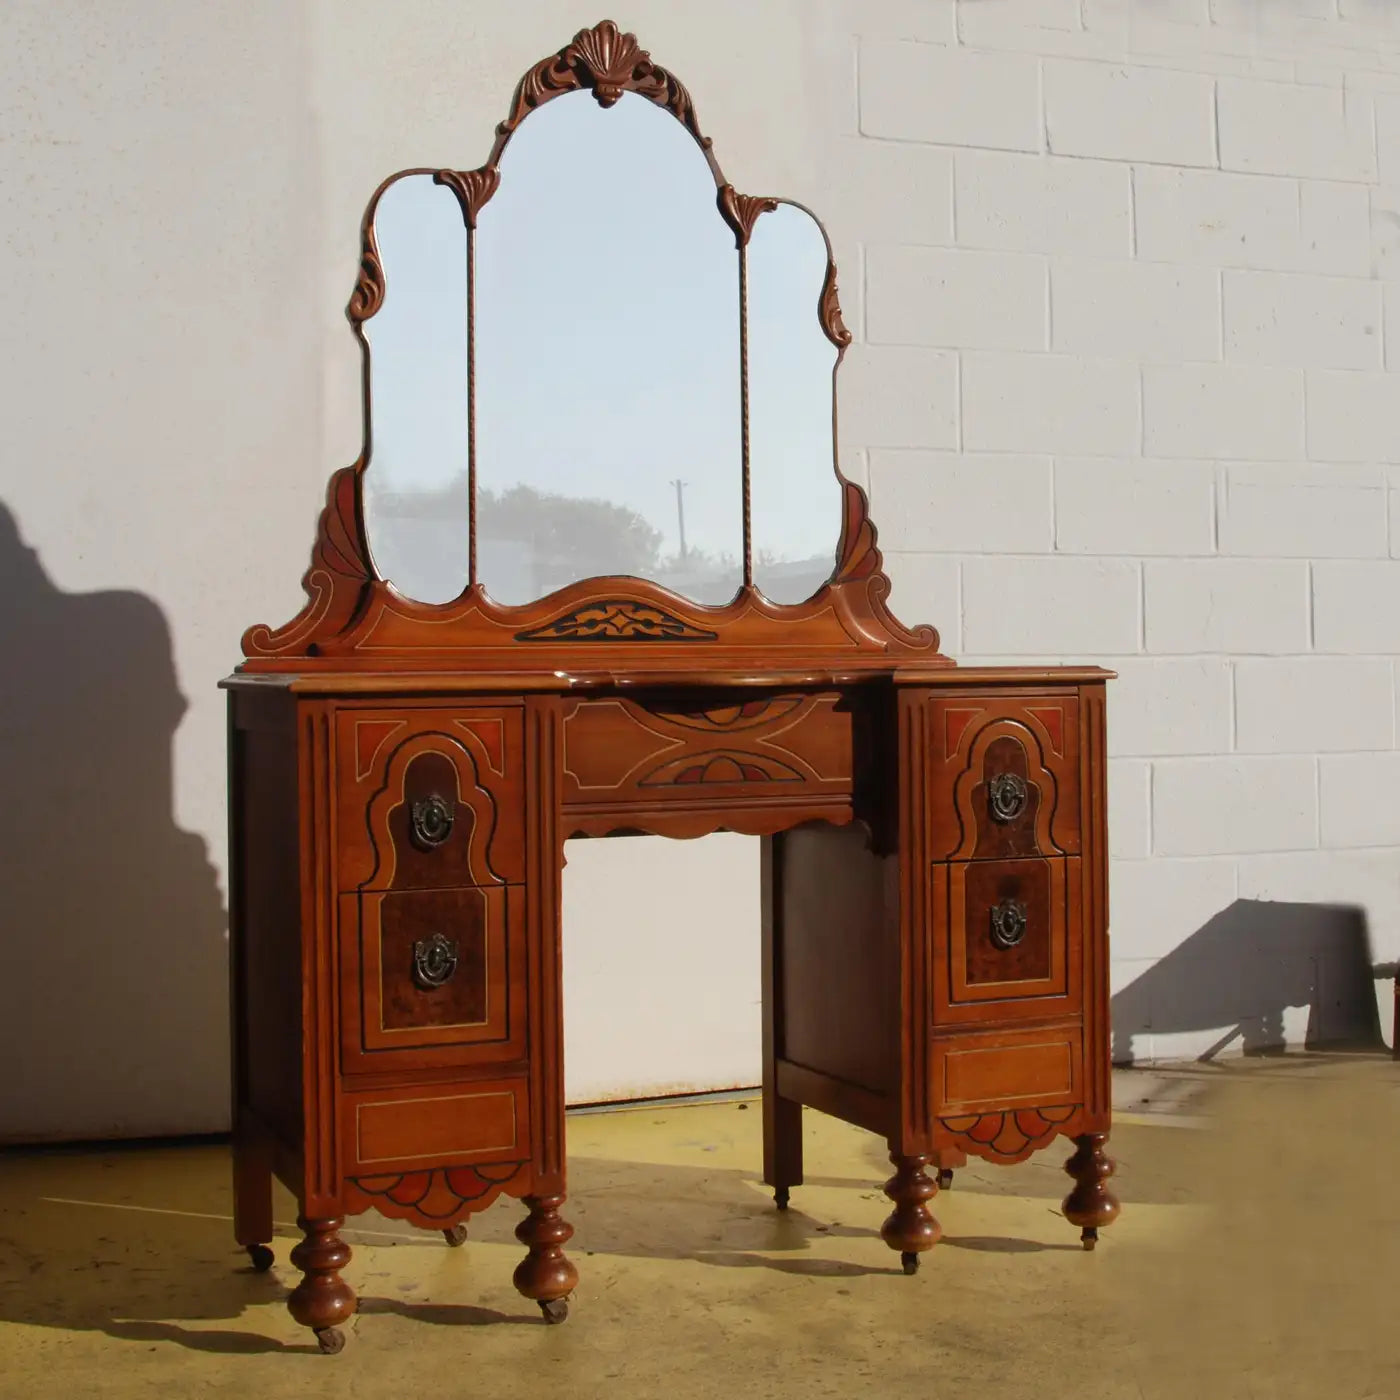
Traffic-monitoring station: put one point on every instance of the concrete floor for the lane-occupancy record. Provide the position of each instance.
(1260, 1230)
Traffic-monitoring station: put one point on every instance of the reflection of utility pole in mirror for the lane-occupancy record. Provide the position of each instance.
(680, 513)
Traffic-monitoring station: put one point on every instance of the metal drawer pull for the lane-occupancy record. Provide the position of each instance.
(432, 821)
(1008, 923)
(434, 961)
(1006, 796)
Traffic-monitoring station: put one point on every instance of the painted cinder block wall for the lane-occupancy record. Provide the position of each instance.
(1120, 277)
(1140, 271)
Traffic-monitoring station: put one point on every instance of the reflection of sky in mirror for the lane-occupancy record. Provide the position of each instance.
(794, 493)
(607, 367)
(418, 389)
(607, 323)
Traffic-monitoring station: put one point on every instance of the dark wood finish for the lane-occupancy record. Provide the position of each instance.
(402, 780)
(910, 1227)
(322, 1300)
(839, 966)
(545, 1274)
(976, 738)
(782, 1116)
(1091, 1204)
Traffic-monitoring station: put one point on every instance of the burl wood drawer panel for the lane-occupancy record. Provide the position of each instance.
(1004, 776)
(431, 978)
(1008, 940)
(976, 1074)
(428, 798)
(384, 1131)
(625, 753)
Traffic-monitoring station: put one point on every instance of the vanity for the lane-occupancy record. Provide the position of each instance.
(597, 572)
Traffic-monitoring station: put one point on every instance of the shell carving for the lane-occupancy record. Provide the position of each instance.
(613, 59)
(741, 211)
(610, 63)
(472, 188)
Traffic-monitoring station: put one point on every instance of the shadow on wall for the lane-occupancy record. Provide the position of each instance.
(113, 949)
(1266, 958)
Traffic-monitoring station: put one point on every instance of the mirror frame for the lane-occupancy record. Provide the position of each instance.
(355, 620)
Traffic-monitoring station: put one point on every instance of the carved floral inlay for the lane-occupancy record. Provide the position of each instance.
(1012, 1134)
(616, 620)
(436, 1196)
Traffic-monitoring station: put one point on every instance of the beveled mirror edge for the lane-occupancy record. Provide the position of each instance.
(353, 618)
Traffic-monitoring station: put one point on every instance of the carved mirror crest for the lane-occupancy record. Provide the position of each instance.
(599, 390)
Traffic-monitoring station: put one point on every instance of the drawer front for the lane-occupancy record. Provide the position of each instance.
(1006, 1094)
(1013, 946)
(385, 1131)
(432, 978)
(428, 798)
(1004, 776)
(621, 752)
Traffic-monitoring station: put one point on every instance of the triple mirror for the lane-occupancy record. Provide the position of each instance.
(588, 369)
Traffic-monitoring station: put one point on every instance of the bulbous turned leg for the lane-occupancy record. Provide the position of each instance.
(322, 1300)
(910, 1228)
(1091, 1204)
(545, 1273)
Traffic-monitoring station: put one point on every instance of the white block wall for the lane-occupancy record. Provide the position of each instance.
(1142, 256)
(1125, 281)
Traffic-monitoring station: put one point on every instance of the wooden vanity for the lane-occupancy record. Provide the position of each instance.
(404, 770)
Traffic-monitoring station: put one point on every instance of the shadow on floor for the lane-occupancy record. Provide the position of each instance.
(94, 1242)
(1237, 976)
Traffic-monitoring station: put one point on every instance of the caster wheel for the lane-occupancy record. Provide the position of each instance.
(780, 1197)
(330, 1340)
(945, 1178)
(910, 1261)
(555, 1310)
(456, 1237)
(1090, 1237)
(261, 1256)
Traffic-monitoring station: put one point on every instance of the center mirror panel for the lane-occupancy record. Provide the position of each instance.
(608, 393)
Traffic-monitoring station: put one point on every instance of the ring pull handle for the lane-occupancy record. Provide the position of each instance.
(1008, 923)
(434, 961)
(432, 819)
(1006, 797)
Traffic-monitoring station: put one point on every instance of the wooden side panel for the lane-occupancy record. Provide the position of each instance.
(265, 913)
(839, 961)
(1097, 1035)
(320, 1192)
(544, 755)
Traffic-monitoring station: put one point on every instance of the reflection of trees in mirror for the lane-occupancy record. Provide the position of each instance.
(540, 541)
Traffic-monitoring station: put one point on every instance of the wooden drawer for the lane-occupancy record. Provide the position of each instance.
(623, 753)
(428, 798)
(1014, 944)
(385, 1131)
(432, 978)
(1013, 1069)
(1004, 776)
